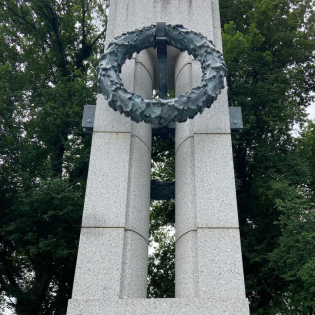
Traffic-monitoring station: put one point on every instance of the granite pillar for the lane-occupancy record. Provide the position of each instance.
(113, 252)
(208, 250)
(112, 261)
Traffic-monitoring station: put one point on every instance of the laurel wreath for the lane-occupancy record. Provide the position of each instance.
(161, 112)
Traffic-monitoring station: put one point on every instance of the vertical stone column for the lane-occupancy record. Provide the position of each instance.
(208, 251)
(112, 261)
(113, 252)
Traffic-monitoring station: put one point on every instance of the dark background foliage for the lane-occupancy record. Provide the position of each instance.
(48, 53)
(48, 50)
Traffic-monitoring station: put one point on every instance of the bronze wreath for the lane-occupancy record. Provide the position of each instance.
(161, 112)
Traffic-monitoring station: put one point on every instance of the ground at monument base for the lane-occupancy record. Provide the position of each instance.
(158, 306)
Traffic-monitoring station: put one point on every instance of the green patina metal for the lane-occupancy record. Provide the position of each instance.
(161, 112)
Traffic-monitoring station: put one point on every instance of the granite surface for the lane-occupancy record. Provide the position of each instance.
(98, 268)
(185, 194)
(139, 184)
(186, 266)
(220, 268)
(134, 266)
(214, 181)
(106, 192)
(112, 262)
(158, 307)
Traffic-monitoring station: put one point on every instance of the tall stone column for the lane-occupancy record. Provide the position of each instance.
(111, 267)
(113, 251)
(208, 250)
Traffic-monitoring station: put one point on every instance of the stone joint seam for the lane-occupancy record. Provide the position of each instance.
(202, 133)
(187, 63)
(123, 132)
(142, 142)
(115, 227)
(145, 69)
(130, 230)
(207, 228)
(183, 142)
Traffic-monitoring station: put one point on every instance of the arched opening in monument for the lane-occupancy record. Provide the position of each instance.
(161, 267)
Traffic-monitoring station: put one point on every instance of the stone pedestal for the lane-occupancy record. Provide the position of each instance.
(111, 272)
(158, 307)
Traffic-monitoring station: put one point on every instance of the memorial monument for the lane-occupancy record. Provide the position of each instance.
(112, 263)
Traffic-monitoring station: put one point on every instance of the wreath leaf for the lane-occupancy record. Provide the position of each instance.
(161, 112)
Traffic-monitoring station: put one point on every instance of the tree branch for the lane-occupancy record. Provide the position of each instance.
(99, 36)
(83, 24)
(33, 26)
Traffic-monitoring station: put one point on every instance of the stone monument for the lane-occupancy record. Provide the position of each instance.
(112, 263)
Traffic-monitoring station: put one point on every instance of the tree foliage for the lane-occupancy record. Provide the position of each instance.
(161, 275)
(48, 51)
(269, 50)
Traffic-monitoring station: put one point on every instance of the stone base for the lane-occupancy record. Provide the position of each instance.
(158, 306)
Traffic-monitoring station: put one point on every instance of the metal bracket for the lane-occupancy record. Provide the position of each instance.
(161, 46)
(236, 122)
(165, 131)
(162, 190)
(88, 118)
